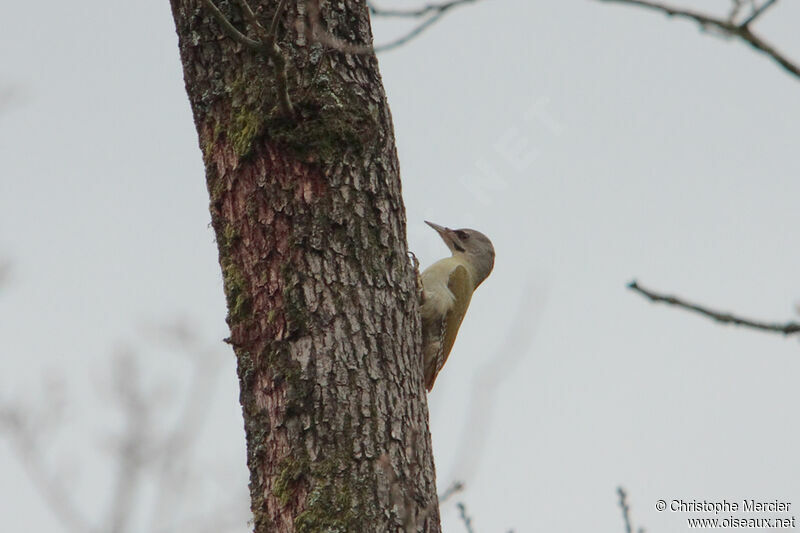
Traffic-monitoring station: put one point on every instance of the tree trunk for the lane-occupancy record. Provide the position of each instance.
(322, 302)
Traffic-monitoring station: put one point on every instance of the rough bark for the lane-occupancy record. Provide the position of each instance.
(322, 309)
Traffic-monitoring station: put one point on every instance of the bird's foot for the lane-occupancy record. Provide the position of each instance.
(418, 278)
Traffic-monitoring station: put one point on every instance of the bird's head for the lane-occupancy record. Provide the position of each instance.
(470, 244)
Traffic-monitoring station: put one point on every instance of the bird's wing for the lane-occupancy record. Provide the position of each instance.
(460, 284)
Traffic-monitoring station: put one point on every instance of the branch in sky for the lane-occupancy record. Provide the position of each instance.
(726, 26)
(431, 13)
(758, 12)
(418, 12)
(626, 511)
(788, 328)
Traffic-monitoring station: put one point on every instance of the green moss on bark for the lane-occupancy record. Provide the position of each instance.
(246, 125)
(332, 123)
(293, 470)
(239, 301)
(234, 282)
(331, 506)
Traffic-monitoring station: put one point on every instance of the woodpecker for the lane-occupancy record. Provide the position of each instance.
(447, 287)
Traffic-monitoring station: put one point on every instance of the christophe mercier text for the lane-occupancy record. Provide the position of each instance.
(725, 506)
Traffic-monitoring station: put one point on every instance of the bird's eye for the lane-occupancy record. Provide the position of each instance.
(463, 235)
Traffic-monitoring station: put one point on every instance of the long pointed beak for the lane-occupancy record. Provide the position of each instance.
(447, 235)
(440, 229)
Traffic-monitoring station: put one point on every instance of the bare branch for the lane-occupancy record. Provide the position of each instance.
(702, 19)
(736, 8)
(415, 32)
(758, 12)
(419, 12)
(269, 47)
(230, 29)
(273, 27)
(789, 328)
(284, 101)
(728, 27)
(450, 491)
(626, 510)
(434, 12)
(273, 51)
(462, 512)
(253, 19)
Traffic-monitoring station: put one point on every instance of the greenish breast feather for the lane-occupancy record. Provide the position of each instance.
(447, 286)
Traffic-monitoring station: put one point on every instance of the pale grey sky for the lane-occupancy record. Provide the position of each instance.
(593, 143)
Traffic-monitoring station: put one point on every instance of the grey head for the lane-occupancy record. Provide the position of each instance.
(472, 245)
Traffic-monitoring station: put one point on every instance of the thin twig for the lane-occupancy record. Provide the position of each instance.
(789, 328)
(253, 19)
(415, 32)
(416, 13)
(462, 512)
(284, 101)
(758, 12)
(273, 27)
(742, 31)
(626, 510)
(434, 12)
(274, 52)
(230, 29)
(736, 7)
(269, 47)
(450, 491)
